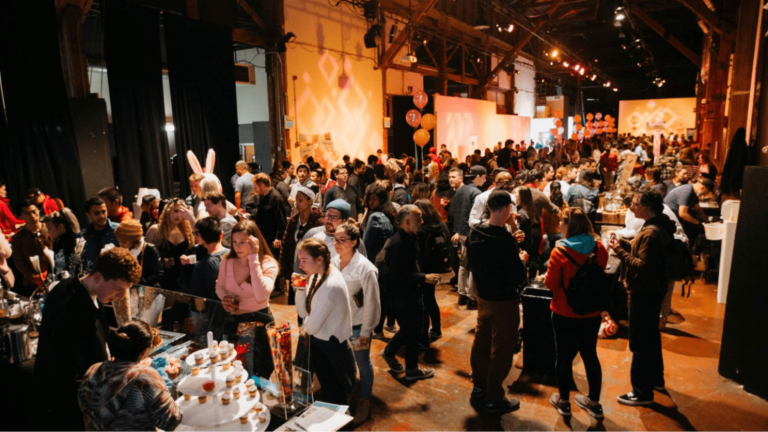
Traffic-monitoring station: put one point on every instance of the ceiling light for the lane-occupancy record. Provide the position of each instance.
(615, 89)
(551, 63)
(593, 77)
(554, 53)
(409, 58)
(620, 16)
(581, 71)
(637, 40)
(617, 23)
(639, 65)
(624, 46)
(510, 28)
(566, 64)
(481, 24)
(608, 84)
(169, 127)
(597, 61)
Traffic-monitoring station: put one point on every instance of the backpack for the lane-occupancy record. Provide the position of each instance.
(678, 261)
(436, 252)
(584, 204)
(589, 290)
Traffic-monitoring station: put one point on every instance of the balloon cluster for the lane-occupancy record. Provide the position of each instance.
(596, 125)
(558, 130)
(414, 118)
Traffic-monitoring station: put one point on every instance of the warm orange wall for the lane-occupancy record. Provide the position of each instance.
(678, 114)
(350, 109)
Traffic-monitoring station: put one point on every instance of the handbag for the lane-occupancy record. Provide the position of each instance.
(359, 298)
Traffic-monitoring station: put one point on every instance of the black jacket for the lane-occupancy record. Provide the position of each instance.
(151, 266)
(73, 337)
(495, 263)
(503, 159)
(434, 245)
(270, 216)
(400, 196)
(405, 275)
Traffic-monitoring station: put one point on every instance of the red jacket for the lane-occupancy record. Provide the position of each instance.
(559, 275)
(8, 221)
(122, 215)
(50, 205)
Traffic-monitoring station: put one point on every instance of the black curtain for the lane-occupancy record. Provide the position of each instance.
(41, 149)
(133, 55)
(202, 76)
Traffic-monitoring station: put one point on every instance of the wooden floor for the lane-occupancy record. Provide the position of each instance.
(697, 397)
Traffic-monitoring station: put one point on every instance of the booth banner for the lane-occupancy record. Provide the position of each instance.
(668, 116)
(465, 125)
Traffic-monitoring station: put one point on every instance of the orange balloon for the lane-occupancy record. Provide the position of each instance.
(553, 131)
(575, 136)
(579, 127)
(577, 118)
(421, 137)
(559, 113)
(599, 131)
(589, 125)
(590, 116)
(587, 133)
(428, 121)
(601, 123)
(559, 123)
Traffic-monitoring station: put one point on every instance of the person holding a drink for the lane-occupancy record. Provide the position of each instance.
(247, 276)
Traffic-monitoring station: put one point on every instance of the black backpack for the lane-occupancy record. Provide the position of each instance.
(380, 261)
(436, 252)
(678, 261)
(589, 290)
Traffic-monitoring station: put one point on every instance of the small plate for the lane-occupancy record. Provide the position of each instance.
(214, 413)
(193, 385)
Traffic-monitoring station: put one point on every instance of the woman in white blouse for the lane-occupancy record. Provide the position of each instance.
(360, 276)
(324, 307)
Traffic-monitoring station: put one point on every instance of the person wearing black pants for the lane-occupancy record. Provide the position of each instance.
(643, 261)
(575, 333)
(402, 281)
(334, 364)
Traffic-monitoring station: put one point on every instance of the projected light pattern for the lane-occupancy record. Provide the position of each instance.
(671, 116)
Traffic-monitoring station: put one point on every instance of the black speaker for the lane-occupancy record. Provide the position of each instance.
(744, 347)
(89, 116)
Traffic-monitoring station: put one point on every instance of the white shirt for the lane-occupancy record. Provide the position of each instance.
(478, 207)
(331, 314)
(361, 274)
(320, 234)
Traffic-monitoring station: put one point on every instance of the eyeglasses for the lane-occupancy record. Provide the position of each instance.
(332, 217)
(340, 240)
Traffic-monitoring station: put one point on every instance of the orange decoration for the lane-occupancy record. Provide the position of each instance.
(575, 136)
(577, 118)
(579, 127)
(590, 116)
(559, 123)
(421, 137)
(553, 131)
(559, 113)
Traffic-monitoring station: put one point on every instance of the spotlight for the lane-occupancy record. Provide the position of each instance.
(577, 67)
(481, 24)
(372, 37)
(581, 72)
(498, 27)
(615, 89)
(169, 127)
(392, 32)
(620, 16)
(554, 53)
(566, 64)
(593, 77)
(608, 84)
(510, 28)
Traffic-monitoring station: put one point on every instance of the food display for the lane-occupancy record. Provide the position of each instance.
(282, 357)
(209, 385)
(202, 399)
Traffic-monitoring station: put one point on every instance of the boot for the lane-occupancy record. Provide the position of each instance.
(362, 413)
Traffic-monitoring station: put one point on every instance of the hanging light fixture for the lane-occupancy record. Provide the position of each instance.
(481, 23)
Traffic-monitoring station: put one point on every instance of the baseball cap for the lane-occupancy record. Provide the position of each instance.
(33, 192)
(475, 171)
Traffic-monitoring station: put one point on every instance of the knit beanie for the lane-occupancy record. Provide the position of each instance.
(129, 231)
(340, 205)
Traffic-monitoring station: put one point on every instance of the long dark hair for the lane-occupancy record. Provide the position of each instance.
(428, 211)
(556, 193)
(526, 202)
(316, 249)
(385, 205)
(251, 229)
(577, 223)
(421, 191)
(130, 340)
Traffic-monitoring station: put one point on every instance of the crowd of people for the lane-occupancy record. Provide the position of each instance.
(359, 248)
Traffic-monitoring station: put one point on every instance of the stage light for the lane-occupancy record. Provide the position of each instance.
(576, 68)
(372, 37)
(409, 58)
(566, 64)
(510, 28)
(169, 127)
(615, 89)
(554, 53)
(581, 71)
(608, 84)
(620, 16)
(392, 32)
(637, 40)
(593, 77)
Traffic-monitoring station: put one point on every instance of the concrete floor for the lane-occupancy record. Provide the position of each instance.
(697, 397)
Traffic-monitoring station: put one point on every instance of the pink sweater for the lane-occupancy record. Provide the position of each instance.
(254, 296)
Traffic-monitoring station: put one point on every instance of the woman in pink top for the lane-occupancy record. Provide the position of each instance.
(246, 278)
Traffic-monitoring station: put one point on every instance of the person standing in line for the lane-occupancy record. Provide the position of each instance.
(574, 333)
(306, 218)
(402, 284)
(73, 335)
(194, 200)
(643, 263)
(205, 272)
(462, 206)
(498, 269)
(215, 205)
(303, 173)
(270, 214)
(361, 277)
(324, 307)
(31, 240)
(99, 233)
(113, 199)
(243, 185)
(343, 190)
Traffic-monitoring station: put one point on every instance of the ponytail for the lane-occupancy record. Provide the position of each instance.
(130, 341)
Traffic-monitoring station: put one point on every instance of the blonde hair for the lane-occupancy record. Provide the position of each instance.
(164, 225)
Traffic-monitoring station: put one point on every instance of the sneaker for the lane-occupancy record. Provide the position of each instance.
(435, 335)
(391, 329)
(379, 336)
(562, 406)
(593, 408)
(472, 305)
(392, 362)
(503, 406)
(463, 300)
(631, 399)
(419, 374)
(478, 393)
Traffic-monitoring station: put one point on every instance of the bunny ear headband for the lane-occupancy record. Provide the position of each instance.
(210, 160)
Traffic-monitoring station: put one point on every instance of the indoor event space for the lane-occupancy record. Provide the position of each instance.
(383, 215)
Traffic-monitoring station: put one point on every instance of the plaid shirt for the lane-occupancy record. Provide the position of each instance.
(667, 166)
